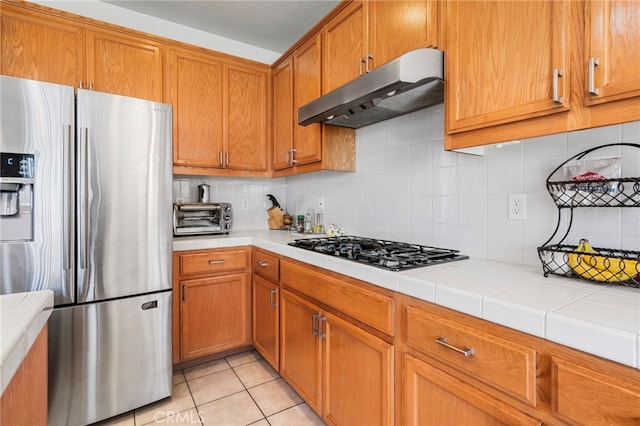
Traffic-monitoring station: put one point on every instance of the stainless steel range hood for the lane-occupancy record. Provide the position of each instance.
(409, 83)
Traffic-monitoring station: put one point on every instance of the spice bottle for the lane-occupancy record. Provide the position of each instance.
(308, 226)
(300, 223)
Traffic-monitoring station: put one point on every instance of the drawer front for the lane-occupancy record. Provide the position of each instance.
(575, 388)
(502, 364)
(368, 306)
(266, 264)
(213, 261)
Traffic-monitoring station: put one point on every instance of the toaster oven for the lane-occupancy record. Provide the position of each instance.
(202, 218)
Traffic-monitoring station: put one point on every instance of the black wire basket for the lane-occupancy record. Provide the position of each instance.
(622, 192)
(601, 265)
(607, 266)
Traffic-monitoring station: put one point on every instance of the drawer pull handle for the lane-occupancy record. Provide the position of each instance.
(262, 263)
(216, 262)
(466, 351)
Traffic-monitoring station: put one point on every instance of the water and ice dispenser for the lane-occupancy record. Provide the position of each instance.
(16, 197)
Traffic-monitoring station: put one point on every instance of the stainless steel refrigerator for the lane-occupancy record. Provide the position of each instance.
(85, 210)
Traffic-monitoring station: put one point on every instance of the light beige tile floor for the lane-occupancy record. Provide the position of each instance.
(240, 390)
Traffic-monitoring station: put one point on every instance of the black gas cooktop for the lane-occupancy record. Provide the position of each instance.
(390, 255)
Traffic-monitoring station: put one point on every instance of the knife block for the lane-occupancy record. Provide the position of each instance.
(275, 220)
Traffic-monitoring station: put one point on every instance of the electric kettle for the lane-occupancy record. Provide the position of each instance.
(203, 193)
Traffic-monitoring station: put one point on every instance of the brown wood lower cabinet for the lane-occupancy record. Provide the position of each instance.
(359, 354)
(211, 302)
(266, 319)
(24, 401)
(433, 397)
(343, 372)
(358, 375)
(509, 378)
(576, 386)
(265, 305)
(214, 314)
(300, 348)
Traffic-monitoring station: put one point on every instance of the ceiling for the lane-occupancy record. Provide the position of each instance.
(271, 25)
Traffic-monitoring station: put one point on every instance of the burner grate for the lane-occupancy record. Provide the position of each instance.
(390, 255)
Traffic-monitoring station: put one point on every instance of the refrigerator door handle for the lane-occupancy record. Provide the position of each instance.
(67, 198)
(83, 220)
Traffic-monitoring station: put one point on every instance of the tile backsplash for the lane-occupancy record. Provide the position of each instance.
(407, 188)
(240, 192)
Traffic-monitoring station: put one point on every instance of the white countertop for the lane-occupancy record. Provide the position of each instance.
(603, 320)
(22, 317)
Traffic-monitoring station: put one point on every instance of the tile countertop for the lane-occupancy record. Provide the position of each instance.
(603, 320)
(22, 317)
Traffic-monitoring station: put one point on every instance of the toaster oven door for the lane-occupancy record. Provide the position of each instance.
(196, 219)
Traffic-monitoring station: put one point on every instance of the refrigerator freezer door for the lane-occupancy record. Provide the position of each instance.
(109, 357)
(124, 196)
(38, 118)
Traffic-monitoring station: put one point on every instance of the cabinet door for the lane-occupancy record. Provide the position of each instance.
(307, 87)
(124, 65)
(40, 47)
(196, 96)
(215, 315)
(432, 397)
(283, 115)
(396, 27)
(344, 47)
(612, 34)
(246, 118)
(501, 59)
(575, 387)
(300, 359)
(266, 335)
(358, 375)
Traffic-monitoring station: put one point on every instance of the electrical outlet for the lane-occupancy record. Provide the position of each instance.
(245, 204)
(321, 205)
(517, 206)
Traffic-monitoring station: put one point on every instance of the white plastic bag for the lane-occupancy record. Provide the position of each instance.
(585, 173)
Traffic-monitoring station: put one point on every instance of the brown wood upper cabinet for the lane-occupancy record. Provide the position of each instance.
(220, 114)
(611, 34)
(123, 65)
(530, 68)
(48, 47)
(296, 82)
(295, 148)
(196, 95)
(41, 47)
(367, 34)
(505, 61)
